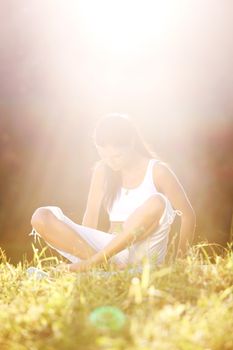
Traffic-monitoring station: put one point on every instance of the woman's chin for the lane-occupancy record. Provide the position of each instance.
(115, 168)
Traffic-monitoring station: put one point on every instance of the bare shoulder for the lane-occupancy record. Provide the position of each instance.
(162, 173)
(168, 183)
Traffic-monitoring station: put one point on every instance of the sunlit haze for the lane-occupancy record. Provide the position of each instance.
(168, 64)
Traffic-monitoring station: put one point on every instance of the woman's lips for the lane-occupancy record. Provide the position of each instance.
(115, 167)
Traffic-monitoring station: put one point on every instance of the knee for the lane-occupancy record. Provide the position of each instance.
(41, 217)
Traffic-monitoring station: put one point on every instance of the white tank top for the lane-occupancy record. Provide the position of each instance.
(130, 199)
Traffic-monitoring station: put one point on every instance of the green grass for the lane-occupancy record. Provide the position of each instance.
(187, 305)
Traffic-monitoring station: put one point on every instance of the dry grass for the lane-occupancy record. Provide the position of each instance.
(187, 305)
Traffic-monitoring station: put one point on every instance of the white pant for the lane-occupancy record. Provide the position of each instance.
(153, 247)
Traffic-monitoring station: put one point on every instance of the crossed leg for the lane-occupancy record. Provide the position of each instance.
(60, 234)
(63, 236)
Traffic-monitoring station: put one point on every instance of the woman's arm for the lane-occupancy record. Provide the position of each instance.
(169, 184)
(187, 229)
(142, 221)
(95, 196)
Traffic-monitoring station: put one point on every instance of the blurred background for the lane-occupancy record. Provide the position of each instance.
(63, 64)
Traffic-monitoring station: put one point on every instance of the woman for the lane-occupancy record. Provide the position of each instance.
(138, 191)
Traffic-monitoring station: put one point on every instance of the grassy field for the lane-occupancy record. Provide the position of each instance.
(187, 305)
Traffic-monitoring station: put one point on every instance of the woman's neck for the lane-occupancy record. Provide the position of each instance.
(135, 164)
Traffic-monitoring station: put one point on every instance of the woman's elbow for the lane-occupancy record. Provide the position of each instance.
(189, 214)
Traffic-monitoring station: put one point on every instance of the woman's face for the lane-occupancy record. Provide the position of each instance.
(115, 157)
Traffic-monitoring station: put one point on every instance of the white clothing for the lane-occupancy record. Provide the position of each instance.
(154, 246)
(130, 199)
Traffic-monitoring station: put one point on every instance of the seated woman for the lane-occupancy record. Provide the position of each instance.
(140, 193)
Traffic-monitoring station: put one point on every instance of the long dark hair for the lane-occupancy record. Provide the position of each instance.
(118, 130)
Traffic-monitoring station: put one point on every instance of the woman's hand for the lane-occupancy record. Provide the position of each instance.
(75, 267)
(82, 266)
(62, 268)
(119, 266)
